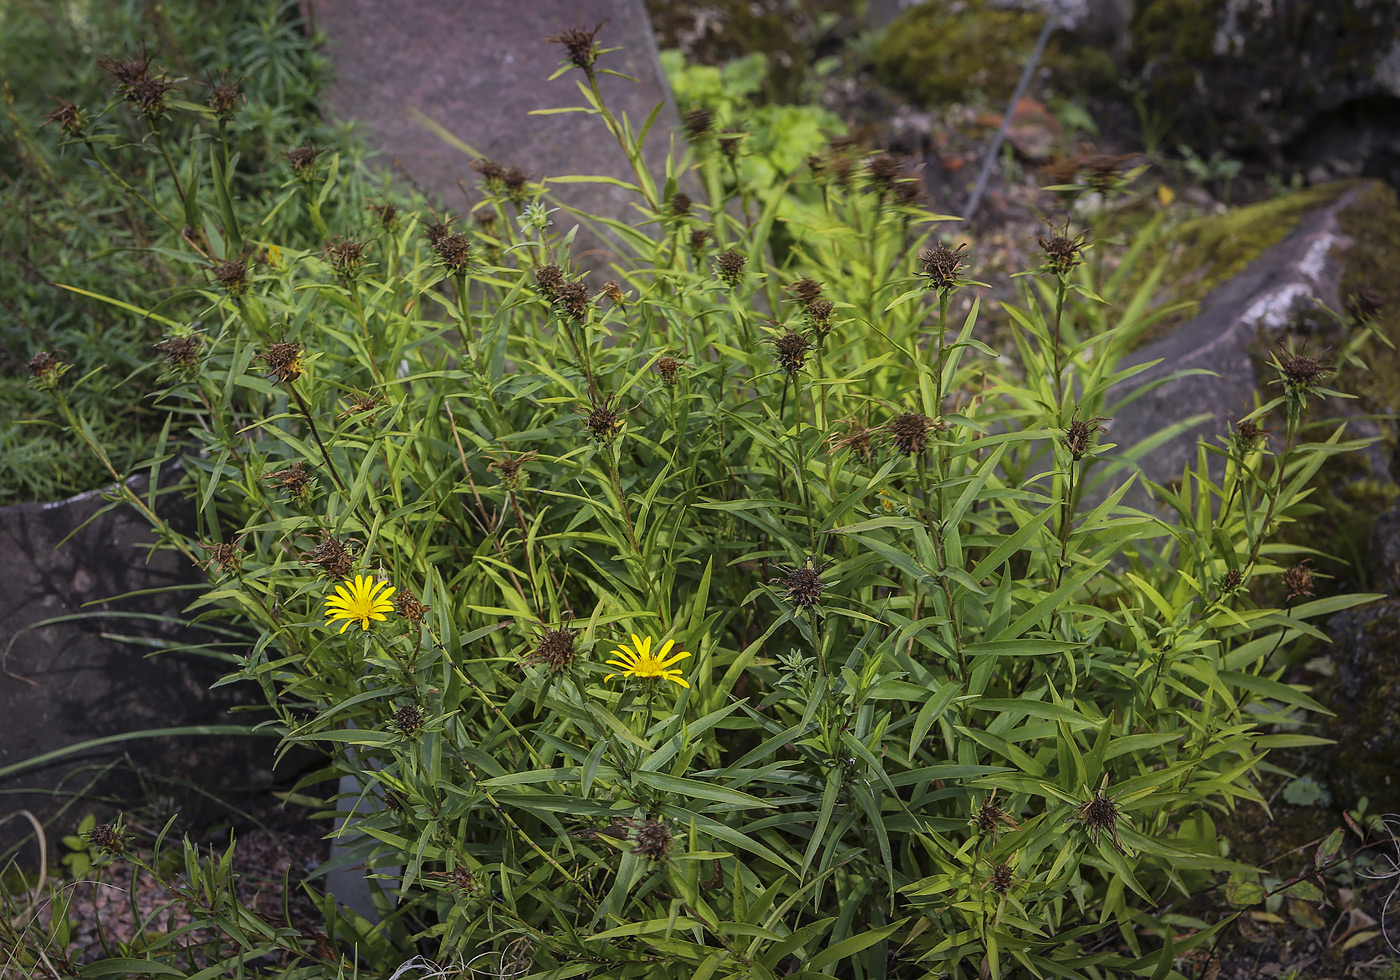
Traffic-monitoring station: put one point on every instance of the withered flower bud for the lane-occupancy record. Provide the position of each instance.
(1362, 306)
(332, 556)
(361, 403)
(653, 840)
(680, 204)
(408, 720)
(579, 46)
(699, 237)
(731, 145)
(806, 291)
(556, 649)
(549, 279)
(669, 368)
(802, 586)
(107, 838)
(698, 123)
(346, 257)
(69, 117)
(228, 556)
(907, 191)
(436, 231)
(295, 481)
(1297, 582)
(224, 98)
(1100, 816)
(991, 819)
(129, 72)
(410, 607)
(1105, 170)
(603, 420)
(942, 266)
(511, 469)
(181, 350)
(731, 267)
(455, 252)
(790, 349)
(884, 171)
(388, 216)
(613, 291)
(486, 221)
(1231, 581)
(1301, 370)
(303, 161)
(572, 298)
(393, 802)
(858, 438)
(1062, 252)
(1080, 434)
(1001, 879)
(819, 316)
(909, 432)
(231, 274)
(513, 184)
(46, 369)
(284, 360)
(842, 168)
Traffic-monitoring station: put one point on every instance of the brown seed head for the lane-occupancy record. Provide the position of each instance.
(45, 369)
(579, 45)
(455, 251)
(1100, 816)
(511, 469)
(731, 145)
(388, 215)
(603, 421)
(1301, 370)
(303, 160)
(410, 607)
(182, 350)
(884, 171)
(224, 98)
(1362, 306)
(573, 298)
(1001, 879)
(486, 221)
(513, 183)
(699, 122)
(408, 720)
(1231, 581)
(129, 72)
(556, 649)
(802, 586)
(1080, 434)
(296, 481)
(284, 361)
(790, 348)
(1297, 582)
(360, 404)
(226, 555)
(858, 438)
(491, 171)
(346, 257)
(613, 291)
(943, 266)
(436, 231)
(231, 274)
(731, 267)
(69, 117)
(549, 279)
(681, 204)
(653, 840)
(393, 802)
(332, 556)
(148, 95)
(819, 316)
(909, 432)
(669, 368)
(107, 838)
(1062, 252)
(806, 292)
(990, 819)
(699, 237)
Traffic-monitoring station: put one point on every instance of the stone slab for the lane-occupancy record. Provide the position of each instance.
(478, 68)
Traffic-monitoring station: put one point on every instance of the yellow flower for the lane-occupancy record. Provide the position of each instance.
(638, 661)
(359, 600)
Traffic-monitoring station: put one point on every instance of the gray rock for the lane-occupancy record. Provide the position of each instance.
(1366, 727)
(75, 680)
(478, 69)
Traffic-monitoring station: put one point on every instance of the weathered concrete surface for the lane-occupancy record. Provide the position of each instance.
(1273, 293)
(74, 681)
(478, 69)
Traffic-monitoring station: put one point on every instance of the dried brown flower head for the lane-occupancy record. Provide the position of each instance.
(225, 554)
(511, 469)
(45, 369)
(790, 348)
(1100, 815)
(858, 438)
(127, 73)
(842, 169)
(513, 182)
(699, 237)
(573, 299)
(284, 361)
(909, 432)
(1297, 582)
(224, 98)
(731, 267)
(669, 368)
(943, 266)
(681, 204)
(408, 720)
(819, 316)
(231, 274)
(549, 279)
(346, 256)
(886, 173)
(486, 221)
(410, 607)
(603, 420)
(107, 838)
(1300, 370)
(332, 556)
(579, 45)
(148, 95)
(455, 251)
(393, 802)
(613, 291)
(1231, 581)
(69, 117)
(653, 840)
(991, 819)
(806, 292)
(1062, 252)
(802, 586)
(295, 480)
(699, 122)
(731, 145)
(1104, 170)
(1001, 879)
(303, 160)
(360, 403)
(557, 649)
(436, 231)
(491, 171)
(388, 215)
(1080, 434)
(182, 350)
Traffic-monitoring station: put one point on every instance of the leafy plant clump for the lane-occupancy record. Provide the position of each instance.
(729, 617)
